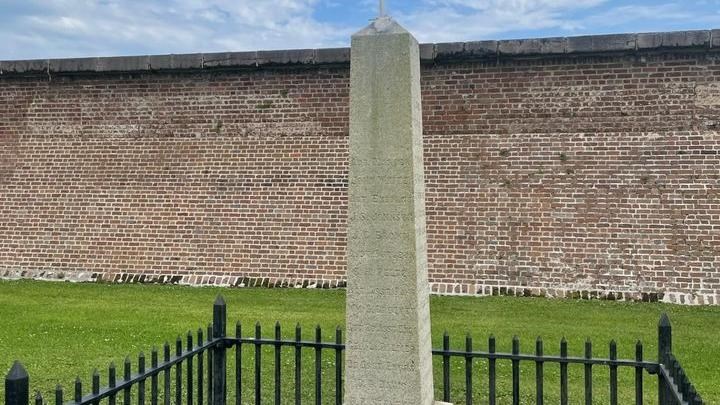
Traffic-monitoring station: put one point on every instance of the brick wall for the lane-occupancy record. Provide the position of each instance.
(590, 174)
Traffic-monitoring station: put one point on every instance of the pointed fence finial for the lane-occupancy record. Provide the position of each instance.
(664, 337)
(17, 372)
(664, 320)
(17, 385)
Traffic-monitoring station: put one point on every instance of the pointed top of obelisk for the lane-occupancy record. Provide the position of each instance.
(383, 24)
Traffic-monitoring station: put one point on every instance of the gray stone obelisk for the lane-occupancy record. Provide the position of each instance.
(389, 359)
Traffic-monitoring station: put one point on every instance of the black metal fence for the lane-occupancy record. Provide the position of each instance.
(205, 365)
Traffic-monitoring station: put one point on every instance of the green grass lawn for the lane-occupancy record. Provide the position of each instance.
(62, 330)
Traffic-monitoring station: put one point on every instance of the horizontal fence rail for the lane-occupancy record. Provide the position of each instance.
(200, 371)
(540, 360)
(153, 373)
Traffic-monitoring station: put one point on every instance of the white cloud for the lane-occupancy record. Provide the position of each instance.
(518, 5)
(628, 14)
(71, 28)
(456, 20)
(464, 20)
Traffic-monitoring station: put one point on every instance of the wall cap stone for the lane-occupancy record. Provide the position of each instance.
(707, 40)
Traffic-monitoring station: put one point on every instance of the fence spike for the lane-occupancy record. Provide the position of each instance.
(167, 394)
(141, 383)
(515, 371)
(613, 373)
(338, 367)
(59, 395)
(491, 371)
(17, 385)
(78, 389)
(664, 352)
(539, 372)
(126, 376)
(278, 336)
(638, 374)
(154, 377)
(468, 369)
(219, 356)
(95, 382)
(200, 371)
(189, 361)
(563, 372)
(664, 319)
(178, 371)
(539, 346)
(318, 366)
(112, 376)
(238, 364)
(298, 364)
(664, 337)
(588, 373)
(258, 363)
(446, 367)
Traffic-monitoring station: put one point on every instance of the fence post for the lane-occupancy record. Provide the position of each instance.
(219, 332)
(664, 348)
(17, 385)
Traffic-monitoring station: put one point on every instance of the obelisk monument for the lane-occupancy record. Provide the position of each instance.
(388, 357)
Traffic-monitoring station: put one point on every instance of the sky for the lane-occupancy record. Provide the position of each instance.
(39, 29)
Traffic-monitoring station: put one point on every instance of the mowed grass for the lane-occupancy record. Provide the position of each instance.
(62, 330)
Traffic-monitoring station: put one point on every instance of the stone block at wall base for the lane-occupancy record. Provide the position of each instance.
(436, 288)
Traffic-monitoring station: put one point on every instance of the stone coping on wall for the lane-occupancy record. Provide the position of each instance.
(708, 40)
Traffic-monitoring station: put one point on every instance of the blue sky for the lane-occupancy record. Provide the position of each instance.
(73, 28)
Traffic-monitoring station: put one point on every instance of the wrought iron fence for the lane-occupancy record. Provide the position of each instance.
(209, 385)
